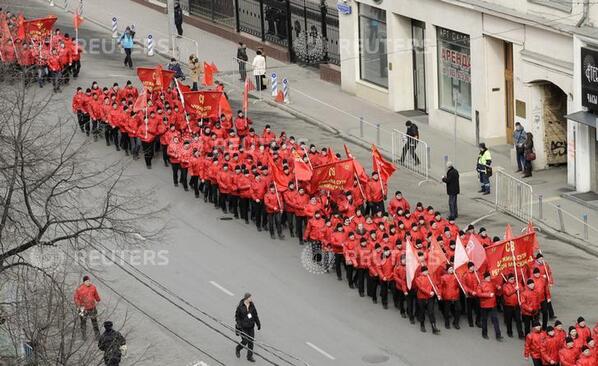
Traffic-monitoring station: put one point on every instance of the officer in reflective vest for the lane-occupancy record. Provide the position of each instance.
(484, 169)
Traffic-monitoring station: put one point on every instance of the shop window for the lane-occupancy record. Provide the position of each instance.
(454, 72)
(372, 46)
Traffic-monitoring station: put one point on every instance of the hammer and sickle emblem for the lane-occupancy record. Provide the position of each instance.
(201, 98)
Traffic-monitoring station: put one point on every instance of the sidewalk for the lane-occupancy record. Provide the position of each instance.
(325, 105)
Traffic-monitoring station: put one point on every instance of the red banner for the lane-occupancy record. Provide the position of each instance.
(333, 177)
(499, 257)
(39, 28)
(385, 168)
(155, 79)
(204, 104)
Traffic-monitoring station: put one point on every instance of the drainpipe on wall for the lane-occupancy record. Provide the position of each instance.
(584, 16)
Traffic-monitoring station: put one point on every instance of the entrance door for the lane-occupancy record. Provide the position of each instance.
(419, 65)
(509, 95)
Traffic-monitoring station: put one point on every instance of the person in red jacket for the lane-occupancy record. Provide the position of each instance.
(55, 69)
(530, 305)
(533, 344)
(541, 287)
(450, 292)
(470, 283)
(350, 256)
(78, 107)
(242, 124)
(586, 358)
(401, 291)
(337, 242)
(568, 354)
(486, 292)
(224, 180)
(425, 300)
(551, 345)
(258, 191)
(511, 308)
(290, 207)
(145, 134)
(86, 298)
(364, 257)
(373, 276)
(385, 275)
(374, 194)
(300, 202)
(244, 188)
(274, 210)
(582, 329)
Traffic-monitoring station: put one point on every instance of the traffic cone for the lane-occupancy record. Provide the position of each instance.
(280, 97)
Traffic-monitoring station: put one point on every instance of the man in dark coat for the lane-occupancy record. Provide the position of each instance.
(242, 59)
(246, 319)
(178, 18)
(111, 343)
(452, 189)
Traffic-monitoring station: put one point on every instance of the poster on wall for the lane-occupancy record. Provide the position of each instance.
(454, 72)
(589, 78)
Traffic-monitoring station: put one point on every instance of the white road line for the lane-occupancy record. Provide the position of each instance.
(326, 354)
(222, 288)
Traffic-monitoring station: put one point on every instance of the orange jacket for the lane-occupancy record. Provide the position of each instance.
(86, 297)
(533, 345)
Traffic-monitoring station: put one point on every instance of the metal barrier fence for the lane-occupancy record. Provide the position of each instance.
(554, 215)
(513, 195)
(183, 47)
(411, 153)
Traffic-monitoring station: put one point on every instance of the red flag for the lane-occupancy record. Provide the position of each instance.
(225, 108)
(331, 156)
(204, 104)
(436, 258)
(475, 252)
(21, 27)
(499, 256)
(461, 257)
(384, 168)
(302, 169)
(508, 232)
(214, 68)
(155, 79)
(39, 28)
(141, 102)
(184, 88)
(359, 171)
(247, 88)
(333, 177)
(411, 263)
(278, 177)
(77, 20)
(208, 74)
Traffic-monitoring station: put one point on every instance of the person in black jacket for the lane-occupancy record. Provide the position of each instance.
(178, 18)
(246, 319)
(111, 343)
(452, 189)
(242, 59)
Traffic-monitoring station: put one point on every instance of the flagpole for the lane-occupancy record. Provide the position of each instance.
(434, 287)
(308, 159)
(176, 82)
(277, 197)
(380, 177)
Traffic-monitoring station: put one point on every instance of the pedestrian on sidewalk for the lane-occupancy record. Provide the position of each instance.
(113, 344)
(451, 179)
(86, 298)
(176, 67)
(529, 153)
(178, 19)
(242, 59)
(519, 136)
(259, 70)
(126, 42)
(483, 168)
(196, 69)
(246, 319)
(411, 143)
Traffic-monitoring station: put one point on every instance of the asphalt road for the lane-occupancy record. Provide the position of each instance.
(314, 318)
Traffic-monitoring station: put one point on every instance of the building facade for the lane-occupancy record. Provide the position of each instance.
(478, 67)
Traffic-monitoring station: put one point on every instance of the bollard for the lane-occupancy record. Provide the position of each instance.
(540, 207)
(285, 90)
(360, 126)
(150, 45)
(274, 80)
(429, 162)
(585, 226)
(114, 28)
(561, 221)
(378, 134)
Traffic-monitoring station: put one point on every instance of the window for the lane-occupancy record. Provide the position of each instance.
(563, 5)
(372, 50)
(454, 72)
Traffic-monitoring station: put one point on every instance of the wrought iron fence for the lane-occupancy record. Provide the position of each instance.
(218, 11)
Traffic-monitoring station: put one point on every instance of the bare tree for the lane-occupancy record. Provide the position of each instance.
(55, 196)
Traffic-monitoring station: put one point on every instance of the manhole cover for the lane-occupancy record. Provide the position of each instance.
(375, 358)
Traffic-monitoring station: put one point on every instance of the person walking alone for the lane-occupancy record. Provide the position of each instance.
(483, 168)
(86, 298)
(113, 344)
(246, 319)
(178, 19)
(259, 70)
(451, 179)
(242, 60)
(519, 136)
(126, 42)
(196, 69)
(530, 155)
(411, 143)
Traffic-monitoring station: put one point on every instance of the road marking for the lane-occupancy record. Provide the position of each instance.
(222, 288)
(326, 354)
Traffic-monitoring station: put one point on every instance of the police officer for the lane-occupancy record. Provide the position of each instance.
(483, 168)
(246, 319)
(113, 344)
